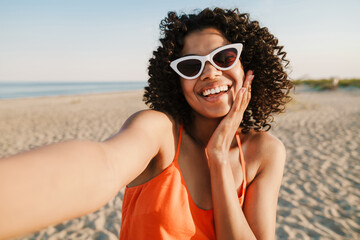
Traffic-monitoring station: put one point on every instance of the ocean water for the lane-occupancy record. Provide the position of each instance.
(40, 89)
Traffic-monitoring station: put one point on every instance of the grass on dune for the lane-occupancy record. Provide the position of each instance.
(324, 84)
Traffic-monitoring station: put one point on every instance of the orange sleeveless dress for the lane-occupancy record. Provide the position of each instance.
(162, 208)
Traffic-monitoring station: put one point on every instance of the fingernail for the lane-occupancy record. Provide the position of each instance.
(243, 90)
(251, 78)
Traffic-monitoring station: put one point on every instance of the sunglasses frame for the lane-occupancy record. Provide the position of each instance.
(209, 58)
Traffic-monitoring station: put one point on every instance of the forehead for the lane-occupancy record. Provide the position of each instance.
(203, 42)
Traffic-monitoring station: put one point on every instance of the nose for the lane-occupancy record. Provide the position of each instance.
(210, 72)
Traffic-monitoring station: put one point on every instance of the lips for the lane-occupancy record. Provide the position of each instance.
(215, 90)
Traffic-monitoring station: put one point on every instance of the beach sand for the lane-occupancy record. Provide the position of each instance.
(320, 194)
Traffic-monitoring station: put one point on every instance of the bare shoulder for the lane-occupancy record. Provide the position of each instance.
(147, 138)
(266, 143)
(146, 129)
(149, 119)
(155, 126)
(150, 136)
(267, 150)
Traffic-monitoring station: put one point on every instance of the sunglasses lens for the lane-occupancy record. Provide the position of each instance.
(189, 67)
(225, 58)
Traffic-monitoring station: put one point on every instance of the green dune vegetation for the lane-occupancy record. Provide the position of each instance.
(327, 84)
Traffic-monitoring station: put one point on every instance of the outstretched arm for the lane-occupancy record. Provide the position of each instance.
(70, 179)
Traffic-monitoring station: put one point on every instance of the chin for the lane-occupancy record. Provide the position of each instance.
(220, 113)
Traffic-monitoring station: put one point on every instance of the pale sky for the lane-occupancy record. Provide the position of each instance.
(108, 40)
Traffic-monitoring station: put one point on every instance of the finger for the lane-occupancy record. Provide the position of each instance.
(228, 126)
(236, 106)
(241, 100)
(231, 122)
(249, 82)
(248, 79)
(248, 74)
(251, 78)
(242, 95)
(226, 130)
(247, 85)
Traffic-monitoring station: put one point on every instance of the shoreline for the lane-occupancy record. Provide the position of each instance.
(72, 95)
(13, 90)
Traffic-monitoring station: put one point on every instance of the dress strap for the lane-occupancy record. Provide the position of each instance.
(178, 143)
(242, 162)
(241, 154)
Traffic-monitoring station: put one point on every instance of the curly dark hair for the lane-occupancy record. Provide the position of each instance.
(261, 53)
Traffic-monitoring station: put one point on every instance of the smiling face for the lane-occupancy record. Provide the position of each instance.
(212, 93)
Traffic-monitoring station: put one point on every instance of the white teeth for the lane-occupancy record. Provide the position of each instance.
(223, 88)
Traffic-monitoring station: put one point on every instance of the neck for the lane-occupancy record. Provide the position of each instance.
(202, 129)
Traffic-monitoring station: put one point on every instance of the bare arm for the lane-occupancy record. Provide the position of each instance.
(262, 195)
(66, 180)
(258, 218)
(52, 184)
(230, 221)
(259, 214)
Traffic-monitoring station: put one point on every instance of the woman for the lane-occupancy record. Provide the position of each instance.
(199, 165)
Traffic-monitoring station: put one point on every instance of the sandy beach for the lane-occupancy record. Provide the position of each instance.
(320, 193)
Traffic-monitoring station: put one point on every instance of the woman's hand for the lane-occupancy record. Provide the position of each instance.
(219, 143)
(230, 221)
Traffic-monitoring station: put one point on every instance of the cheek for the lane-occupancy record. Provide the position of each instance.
(187, 86)
(237, 75)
